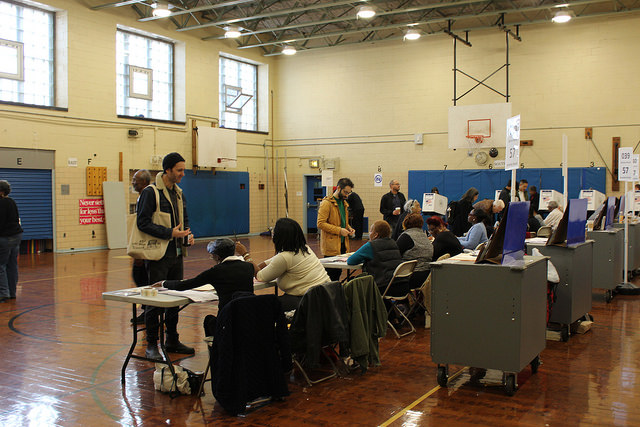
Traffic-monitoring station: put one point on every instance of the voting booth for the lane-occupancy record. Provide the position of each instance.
(434, 203)
(548, 195)
(594, 198)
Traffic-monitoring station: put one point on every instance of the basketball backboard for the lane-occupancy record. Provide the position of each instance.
(478, 126)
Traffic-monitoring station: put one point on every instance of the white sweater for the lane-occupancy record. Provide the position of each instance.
(294, 273)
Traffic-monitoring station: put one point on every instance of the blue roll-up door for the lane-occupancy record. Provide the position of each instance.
(31, 189)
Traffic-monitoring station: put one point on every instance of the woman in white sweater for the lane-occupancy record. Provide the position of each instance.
(295, 267)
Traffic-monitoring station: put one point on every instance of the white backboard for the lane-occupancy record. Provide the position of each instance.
(486, 120)
(216, 147)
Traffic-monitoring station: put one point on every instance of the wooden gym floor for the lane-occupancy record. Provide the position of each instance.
(63, 346)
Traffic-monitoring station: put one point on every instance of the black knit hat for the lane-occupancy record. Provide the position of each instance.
(170, 160)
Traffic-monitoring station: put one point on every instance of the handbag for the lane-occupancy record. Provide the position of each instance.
(185, 381)
(145, 246)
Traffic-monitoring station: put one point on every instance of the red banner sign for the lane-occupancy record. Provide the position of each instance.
(91, 211)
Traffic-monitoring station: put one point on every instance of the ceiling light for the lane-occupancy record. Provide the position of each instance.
(561, 17)
(412, 34)
(366, 12)
(161, 9)
(289, 50)
(232, 32)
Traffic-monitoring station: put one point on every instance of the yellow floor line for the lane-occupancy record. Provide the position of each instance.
(420, 399)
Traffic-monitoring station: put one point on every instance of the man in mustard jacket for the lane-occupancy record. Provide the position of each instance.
(333, 223)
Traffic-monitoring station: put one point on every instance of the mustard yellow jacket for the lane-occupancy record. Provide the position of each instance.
(329, 225)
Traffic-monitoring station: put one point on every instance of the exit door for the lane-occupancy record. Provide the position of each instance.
(315, 194)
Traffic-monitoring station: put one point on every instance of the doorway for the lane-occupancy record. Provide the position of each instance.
(315, 192)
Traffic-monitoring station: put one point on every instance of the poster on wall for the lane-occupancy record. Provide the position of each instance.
(327, 178)
(91, 211)
(377, 180)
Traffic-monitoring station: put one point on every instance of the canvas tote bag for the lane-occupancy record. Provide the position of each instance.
(145, 246)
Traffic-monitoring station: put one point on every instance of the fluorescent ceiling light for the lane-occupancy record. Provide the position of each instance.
(561, 17)
(289, 50)
(366, 12)
(412, 34)
(161, 9)
(232, 32)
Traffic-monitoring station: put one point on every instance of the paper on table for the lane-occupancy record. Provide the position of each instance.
(206, 287)
(195, 296)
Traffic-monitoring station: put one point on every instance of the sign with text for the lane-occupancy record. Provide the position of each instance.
(512, 155)
(625, 164)
(91, 211)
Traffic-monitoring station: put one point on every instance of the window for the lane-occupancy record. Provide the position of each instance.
(26, 55)
(238, 94)
(144, 76)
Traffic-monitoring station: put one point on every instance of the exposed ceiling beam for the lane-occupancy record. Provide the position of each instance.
(116, 4)
(281, 12)
(400, 25)
(202, 9)
(354, 17)
(471, 28)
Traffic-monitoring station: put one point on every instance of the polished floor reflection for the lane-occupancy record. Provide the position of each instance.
(63, 346)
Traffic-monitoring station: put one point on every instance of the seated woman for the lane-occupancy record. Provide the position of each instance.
(411, 206)
(477, 233)
(380, 256)
(295, 267)
(444, 241)
(230, 274)
(414, 244)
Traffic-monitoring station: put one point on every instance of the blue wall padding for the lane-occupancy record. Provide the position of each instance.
(453, 183)
(216, 204)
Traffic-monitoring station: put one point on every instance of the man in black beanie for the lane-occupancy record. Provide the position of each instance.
(170, 266)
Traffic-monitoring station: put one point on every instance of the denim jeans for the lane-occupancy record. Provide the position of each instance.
(9, 250)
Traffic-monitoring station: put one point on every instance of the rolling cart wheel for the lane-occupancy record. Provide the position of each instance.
(510, 384)
(564, 333)
(608, 296)
(535, 364)
(443, 375)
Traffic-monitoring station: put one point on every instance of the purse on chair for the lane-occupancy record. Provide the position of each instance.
(141, 245)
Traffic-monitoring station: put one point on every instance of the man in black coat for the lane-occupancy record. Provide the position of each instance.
(392, 204)
(356, 213)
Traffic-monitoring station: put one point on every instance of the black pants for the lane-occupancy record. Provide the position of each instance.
(139, 273)
(357, 222)
(335, 273)
(166, 268)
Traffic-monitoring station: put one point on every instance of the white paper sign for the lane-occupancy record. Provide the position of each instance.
(72, 162)
(625, 164)
(512, 155)
(636, 167)
(377, 180)
(327, 178)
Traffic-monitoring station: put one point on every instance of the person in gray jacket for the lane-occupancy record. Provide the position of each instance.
(414, 244)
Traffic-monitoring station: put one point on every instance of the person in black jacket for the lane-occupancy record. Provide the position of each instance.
(10, 237)
(230, 274)
(445, 242)
(459, 224)
(356, 214)
(170, 266)
(392, 204)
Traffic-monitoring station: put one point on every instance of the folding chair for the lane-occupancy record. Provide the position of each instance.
(402, 271)
(421, 297)
(544, 231)
(320, 323)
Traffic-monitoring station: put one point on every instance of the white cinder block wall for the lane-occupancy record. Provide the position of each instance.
(361, 104)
